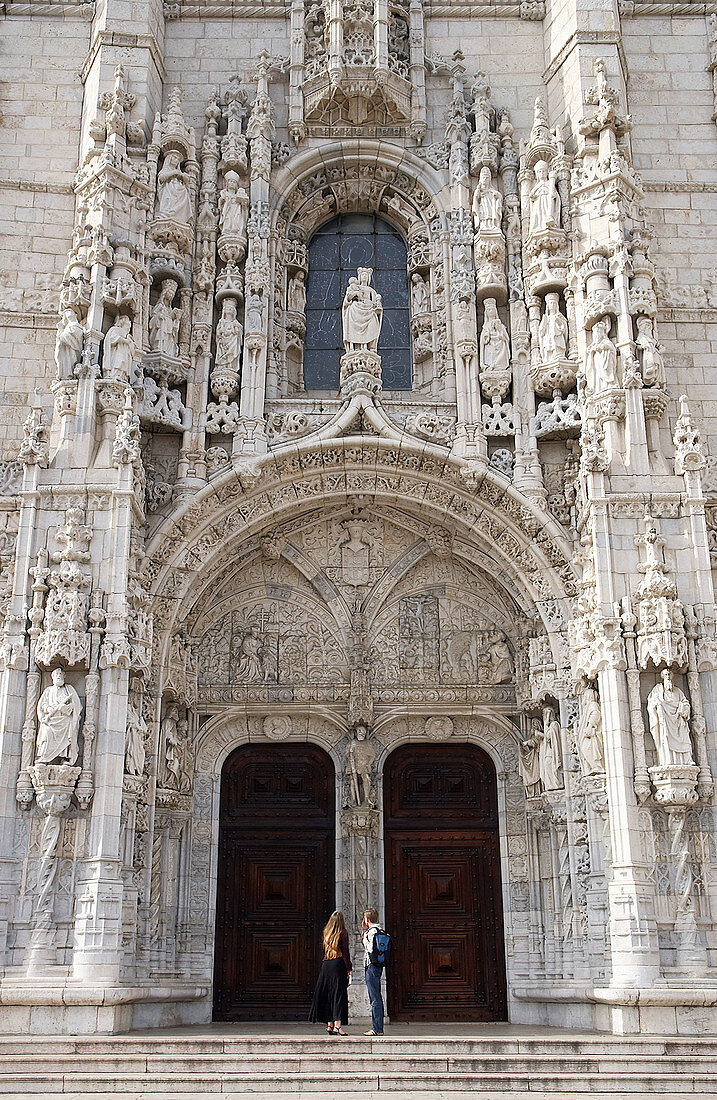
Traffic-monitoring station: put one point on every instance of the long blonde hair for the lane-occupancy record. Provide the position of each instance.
(335, 927)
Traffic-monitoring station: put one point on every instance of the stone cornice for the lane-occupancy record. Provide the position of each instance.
(123, 41)
(83, 9)
(586, 38)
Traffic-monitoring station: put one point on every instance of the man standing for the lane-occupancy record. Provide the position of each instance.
(373, 970)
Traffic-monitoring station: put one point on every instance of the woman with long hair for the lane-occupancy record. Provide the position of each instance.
(331, 1000)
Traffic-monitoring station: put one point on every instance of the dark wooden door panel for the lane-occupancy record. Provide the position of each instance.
(443, 885)
(276, 880)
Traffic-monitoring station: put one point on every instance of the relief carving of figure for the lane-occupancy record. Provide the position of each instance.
(229, 337)
(252, 657)
(58, 714)
(254, 312)
(119, 350)
(361, 758)
(501, 659)
(68, 344)
(601, 360)
(529, 761)
(362, 312)
(652, 361)
(296, 293)
(173, 190)
(420, 295)
(549, 751)
(553, 331)
(588, 735)
(233, 207)
(177, 750)
(164, 322)
(544, 201)
(487, 203)
(134, 756)
(669, 711)
(494, 342)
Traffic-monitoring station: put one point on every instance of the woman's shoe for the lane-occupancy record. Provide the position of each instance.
(340, 1031)
(330, 1030)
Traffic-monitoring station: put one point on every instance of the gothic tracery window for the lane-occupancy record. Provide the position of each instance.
(336, 250)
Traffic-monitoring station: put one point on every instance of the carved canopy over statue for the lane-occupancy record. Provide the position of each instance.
(362, 312)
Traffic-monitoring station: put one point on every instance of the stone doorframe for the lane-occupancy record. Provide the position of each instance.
(360, 869)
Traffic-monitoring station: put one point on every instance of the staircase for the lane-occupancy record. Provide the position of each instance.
(421, 1060)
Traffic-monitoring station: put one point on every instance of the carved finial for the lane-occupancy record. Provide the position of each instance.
(689, 454)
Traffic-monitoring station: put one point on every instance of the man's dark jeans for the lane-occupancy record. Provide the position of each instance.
(373, 985)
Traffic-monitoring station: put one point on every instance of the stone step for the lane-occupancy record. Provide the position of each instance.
(332, 1084)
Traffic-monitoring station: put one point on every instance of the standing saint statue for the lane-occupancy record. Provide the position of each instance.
(601, 360)
(172, 747)
(361, 759)
(58, 714)
(228, 337)
(494, 342)
(549, 751)
(588, 735)
(361, 313)
(420, 295)
(544, 201)
(487, 203)
(529, 761)
(173, 190)
(164, 322)
(68, 345)
(553, 331)
(669, 711)
(296, 293)
(651, 358)
(233, 207)
(134, 754)
(119, 350)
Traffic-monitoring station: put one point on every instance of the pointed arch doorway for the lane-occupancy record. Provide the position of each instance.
(276, 879)
(443, 884)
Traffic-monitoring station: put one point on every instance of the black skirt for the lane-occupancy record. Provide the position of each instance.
(331, 998)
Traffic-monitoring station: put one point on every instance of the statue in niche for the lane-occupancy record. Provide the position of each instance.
(501, 659)
(119, 350)
(58, 715)
(177, 750)
(669, 711)
(134, 755)
(549, 752)
(588, 735)
(296, 293)
(487, 204)
(252, 655)
(361, 758)
(494, 342)
(553, 331)
(164, 322)
(228, 337)
(233, 207)
(361, 313)
(254, 312)
(544, 201)
(601, 360)
(68, 344)
(173, 190)
(529, 761)
(651, 359)
(420, 295)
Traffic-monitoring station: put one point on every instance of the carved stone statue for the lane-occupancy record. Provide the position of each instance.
(494, 342)
(252, 654)
(119, 350)
(58, 714)
(296, 293)
(529, 761)
(68, 344)
(233, 207)
(487, 203)
(549, 751)
(186, 758)
(253, 312)
(362, 312)
(601, 360)
(361, 758)
(588, 735)
(134, 755)
(420, 295)
(669, 711)
(173, 749)
(164, 322)
(501, 659)
(544, 201)
(229, 337)
(173, 190)
(652, 361)
(553, 331)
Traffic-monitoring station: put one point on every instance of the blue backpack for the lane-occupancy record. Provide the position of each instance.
(380, 953)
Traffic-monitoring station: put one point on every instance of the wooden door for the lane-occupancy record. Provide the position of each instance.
(443, 886)
(276, 880)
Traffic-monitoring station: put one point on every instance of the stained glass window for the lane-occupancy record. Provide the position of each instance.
(335, 251)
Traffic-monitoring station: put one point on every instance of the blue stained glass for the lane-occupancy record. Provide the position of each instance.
(335, 251)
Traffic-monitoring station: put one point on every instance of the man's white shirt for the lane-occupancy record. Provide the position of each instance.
(367, 940)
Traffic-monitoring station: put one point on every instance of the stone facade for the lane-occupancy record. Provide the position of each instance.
(516, 551)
